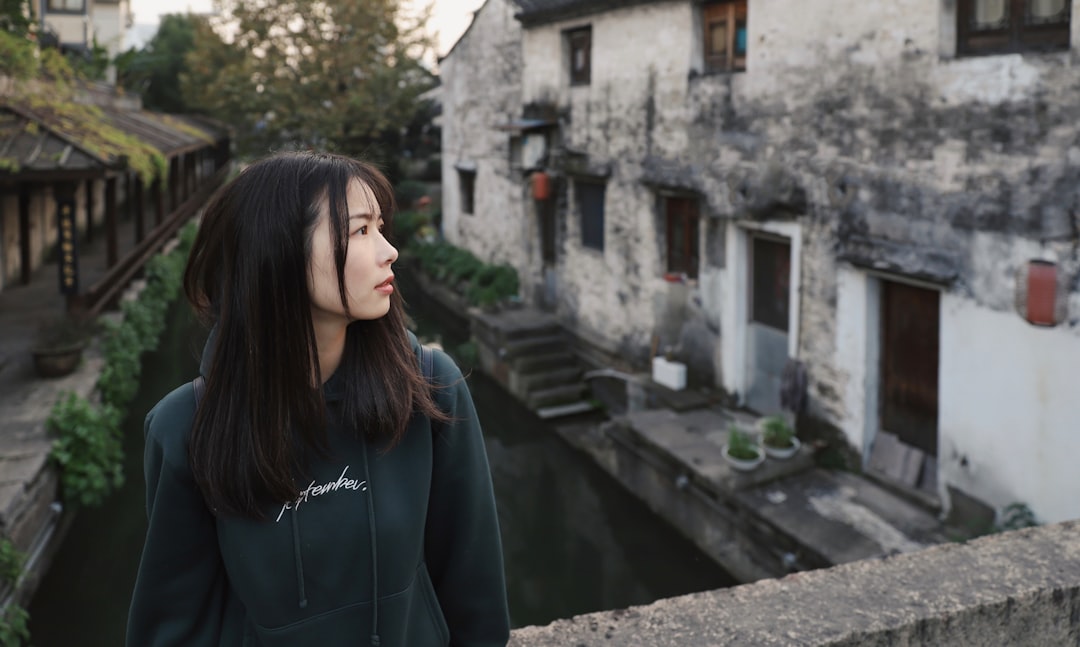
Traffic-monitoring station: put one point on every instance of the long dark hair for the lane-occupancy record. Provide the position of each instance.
(263, 414)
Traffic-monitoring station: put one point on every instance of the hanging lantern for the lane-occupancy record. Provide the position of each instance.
(541, 185)
(1039, 293)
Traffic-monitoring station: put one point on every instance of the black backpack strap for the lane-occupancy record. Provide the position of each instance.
(199, 384)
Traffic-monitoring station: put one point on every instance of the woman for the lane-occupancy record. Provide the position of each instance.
(320, 492)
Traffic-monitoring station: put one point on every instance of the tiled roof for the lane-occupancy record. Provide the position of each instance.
(31, 147)
(40, 141)
(538, 12)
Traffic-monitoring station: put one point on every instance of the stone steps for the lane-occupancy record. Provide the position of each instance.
(530, 364)
(533, 345)
(555, 395)
(563, 374)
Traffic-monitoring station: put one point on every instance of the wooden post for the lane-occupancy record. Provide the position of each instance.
(174, 172)
(159, 200)
(136, 199)
(112, 252)
(89, 209)
(24, 231)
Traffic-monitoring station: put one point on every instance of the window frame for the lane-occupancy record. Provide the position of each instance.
(587, 240)
(467, 191)
(730, 13)
(51, 9)
(689, 212)
(1015, 36)
(579, 38)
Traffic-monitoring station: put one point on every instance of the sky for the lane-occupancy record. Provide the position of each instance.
(449, 18)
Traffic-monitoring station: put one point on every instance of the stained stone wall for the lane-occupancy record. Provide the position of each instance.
(857, 133)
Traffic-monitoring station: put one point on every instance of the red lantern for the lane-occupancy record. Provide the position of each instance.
(1037, 296)
(541, 185)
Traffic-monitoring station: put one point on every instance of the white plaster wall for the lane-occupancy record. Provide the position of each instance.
(1008, 405)
(853, 337)
(71, 28)
(481, 90)
(633, 107)
(808, 35)
(639, 55)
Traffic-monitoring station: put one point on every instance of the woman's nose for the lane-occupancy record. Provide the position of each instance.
(390, 253)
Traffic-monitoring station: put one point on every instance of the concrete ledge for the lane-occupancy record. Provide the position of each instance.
(1018, 588)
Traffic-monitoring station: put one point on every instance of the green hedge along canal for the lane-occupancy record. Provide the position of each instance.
(574, 540)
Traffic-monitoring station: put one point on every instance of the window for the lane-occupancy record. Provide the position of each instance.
(67, 5)
(467, 186)
(1005, 26)
(580, 46)
(682, 236)
(725, 35)
(590, 204)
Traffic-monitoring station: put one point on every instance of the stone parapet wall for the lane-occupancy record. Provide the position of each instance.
(1014, 589)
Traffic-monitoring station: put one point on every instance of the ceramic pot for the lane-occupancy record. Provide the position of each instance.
(741, 464)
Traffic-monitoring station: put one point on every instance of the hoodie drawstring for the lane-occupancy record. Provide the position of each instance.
(374, 554)
(299, 559)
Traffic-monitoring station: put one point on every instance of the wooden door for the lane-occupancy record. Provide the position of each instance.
(909, 364)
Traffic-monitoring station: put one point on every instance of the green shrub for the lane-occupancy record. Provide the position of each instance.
(491, 284)
(406, 193)
(14, 626)
(87, 449)
(406, 226)
(481, 284)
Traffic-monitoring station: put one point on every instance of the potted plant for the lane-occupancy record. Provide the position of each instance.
(59, 344)
(778, 437)
(741, 452)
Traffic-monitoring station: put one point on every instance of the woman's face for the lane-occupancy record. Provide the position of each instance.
(368, 278)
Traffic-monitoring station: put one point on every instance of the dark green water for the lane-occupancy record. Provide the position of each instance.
(574, 540)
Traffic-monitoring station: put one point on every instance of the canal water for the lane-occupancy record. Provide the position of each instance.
(574, 540)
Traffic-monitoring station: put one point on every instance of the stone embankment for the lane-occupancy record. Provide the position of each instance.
(1015, 589)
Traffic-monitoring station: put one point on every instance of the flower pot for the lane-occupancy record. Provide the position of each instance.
(784, 452)
(741, 464)
(57, 362)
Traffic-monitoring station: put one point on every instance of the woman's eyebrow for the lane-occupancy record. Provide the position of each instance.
(360, 216)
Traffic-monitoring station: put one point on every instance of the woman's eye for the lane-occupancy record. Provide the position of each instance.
(363, 230)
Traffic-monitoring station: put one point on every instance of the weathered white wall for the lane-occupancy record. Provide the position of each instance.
(482, 89)
(855, 124)
(1008, 418)
(640, 58)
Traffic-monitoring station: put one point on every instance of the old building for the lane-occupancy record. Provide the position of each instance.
(879, 200)
(79, 25)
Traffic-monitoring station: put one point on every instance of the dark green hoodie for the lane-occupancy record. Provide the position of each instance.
(399, 548)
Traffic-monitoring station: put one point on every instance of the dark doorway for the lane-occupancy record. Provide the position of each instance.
(909, 364)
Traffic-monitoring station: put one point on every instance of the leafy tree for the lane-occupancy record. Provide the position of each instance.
(154, 71)
(14, 19)
(336, 74)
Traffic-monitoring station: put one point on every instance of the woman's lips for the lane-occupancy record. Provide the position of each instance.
(386, 287)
